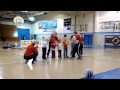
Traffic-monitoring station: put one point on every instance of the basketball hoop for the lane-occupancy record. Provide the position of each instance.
(18, 20)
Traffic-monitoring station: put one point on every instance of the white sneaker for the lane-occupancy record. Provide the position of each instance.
(30, 64)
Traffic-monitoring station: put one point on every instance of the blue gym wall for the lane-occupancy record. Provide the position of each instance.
(22, 32)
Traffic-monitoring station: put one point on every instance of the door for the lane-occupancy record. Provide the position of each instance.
(88, 40)
(35, 37)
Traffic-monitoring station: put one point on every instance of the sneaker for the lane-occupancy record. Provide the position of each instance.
(72, 57)
(44, 58)
(47, 56)
(26, 61)
(79, 57)
(67, 57)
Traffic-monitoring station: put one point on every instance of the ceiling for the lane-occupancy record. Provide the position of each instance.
(73, 13)
(9, 15)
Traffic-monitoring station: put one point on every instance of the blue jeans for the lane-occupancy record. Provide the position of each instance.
(65, 52)
(72, 48)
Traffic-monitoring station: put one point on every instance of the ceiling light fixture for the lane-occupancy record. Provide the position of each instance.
(32, 18)
(39, 13)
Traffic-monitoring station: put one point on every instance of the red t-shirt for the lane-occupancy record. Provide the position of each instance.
(65, 44)
(78, 37)
(53, 36)
(29, 50)
(53, 45)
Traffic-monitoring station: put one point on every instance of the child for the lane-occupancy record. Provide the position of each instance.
(65, 45)
(53, 46)
(44, 48)
(59, 48)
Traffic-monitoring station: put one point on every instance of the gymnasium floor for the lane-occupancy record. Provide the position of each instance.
(12, 64)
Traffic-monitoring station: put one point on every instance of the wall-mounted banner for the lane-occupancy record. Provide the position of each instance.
(25, 43)
(112, 40)
(114, 25)
(47, 24)
(67, 22)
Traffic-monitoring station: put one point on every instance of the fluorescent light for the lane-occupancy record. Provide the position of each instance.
(39, 13)
(31, 18)
(24, 11)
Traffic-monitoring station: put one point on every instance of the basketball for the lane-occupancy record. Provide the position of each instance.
(88, 72)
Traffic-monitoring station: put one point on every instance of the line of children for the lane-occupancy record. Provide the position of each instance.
(76, 47)
(60, 45)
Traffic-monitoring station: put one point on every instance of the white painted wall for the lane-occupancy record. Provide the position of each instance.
(101, 16)
(60, 17)
(60, 29)
(51, 16)
(88, 19)
(106, 16)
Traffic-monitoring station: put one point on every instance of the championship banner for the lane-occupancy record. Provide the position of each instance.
(112, 40)
(25, 43)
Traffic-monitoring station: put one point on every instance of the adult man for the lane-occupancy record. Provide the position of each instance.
(72, 41)
(77, 48)
(31, 53)
(53, 35)
(81, 46)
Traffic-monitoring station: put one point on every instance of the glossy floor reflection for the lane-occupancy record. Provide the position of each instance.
(12, 65)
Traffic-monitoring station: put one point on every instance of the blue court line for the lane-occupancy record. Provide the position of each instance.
(112, 74)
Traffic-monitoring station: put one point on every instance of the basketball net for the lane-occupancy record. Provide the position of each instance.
(18, 20)
(18, 23)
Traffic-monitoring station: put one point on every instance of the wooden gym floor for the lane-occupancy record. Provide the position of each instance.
(12, 64)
